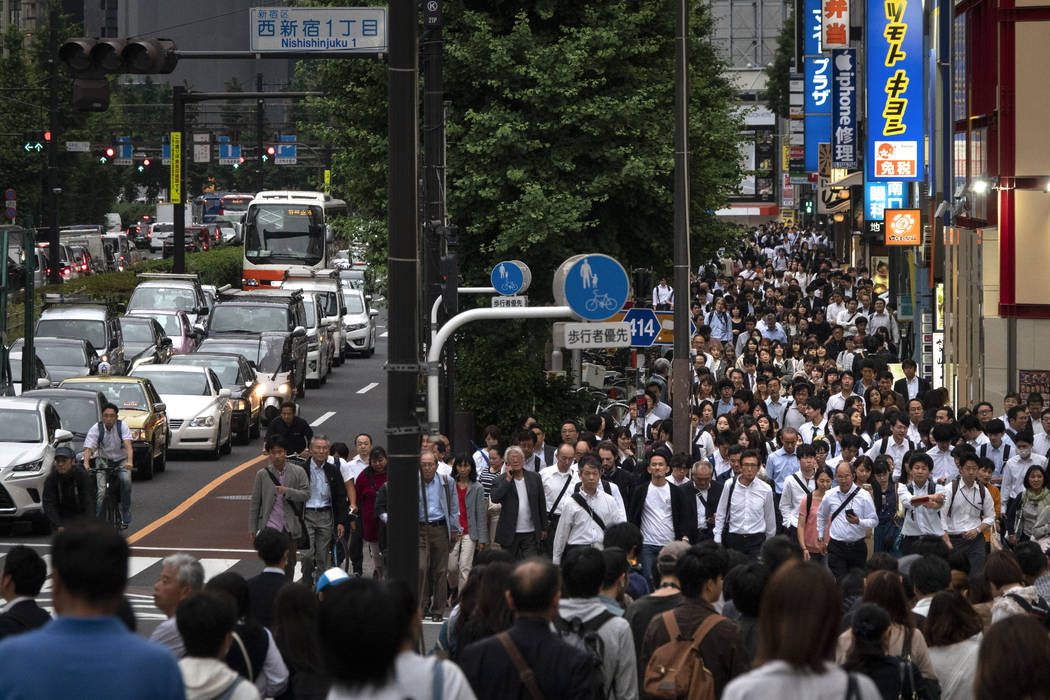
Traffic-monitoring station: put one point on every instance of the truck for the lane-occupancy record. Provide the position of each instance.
(113, 223)
(166, 213)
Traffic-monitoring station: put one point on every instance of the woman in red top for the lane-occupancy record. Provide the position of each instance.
(807, 514)
(368, 484)
(472, 519)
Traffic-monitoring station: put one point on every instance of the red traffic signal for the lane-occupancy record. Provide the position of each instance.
(110, 152)
(145, 162)
(270, 150)
(47, 135)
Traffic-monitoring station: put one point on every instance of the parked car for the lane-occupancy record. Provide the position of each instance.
(200, 415)
(62, 357)
(30, 430)
(79, 409)
(145, 341)
(142, 410)
(246, 386)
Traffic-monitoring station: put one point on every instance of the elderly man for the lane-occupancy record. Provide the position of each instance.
(438, 524)
(325, 511)
(522, 524)
(181, 576)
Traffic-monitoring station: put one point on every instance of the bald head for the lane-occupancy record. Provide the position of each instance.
(535, 587)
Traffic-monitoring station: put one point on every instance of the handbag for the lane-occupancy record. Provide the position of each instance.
(303, 540)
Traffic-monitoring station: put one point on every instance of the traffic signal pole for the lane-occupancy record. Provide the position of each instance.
(51, 196)
(681, 374)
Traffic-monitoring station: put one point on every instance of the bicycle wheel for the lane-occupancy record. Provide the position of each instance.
(111, 512)
(591, 305)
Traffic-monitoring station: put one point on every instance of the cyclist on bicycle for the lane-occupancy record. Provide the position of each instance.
(111, 439)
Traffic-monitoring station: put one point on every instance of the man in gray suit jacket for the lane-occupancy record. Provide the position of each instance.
(284, 483)
(521, 527)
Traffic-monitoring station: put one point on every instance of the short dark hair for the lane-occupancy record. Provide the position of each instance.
(271, 545)
(616, 565)
(749, 582)
(582, 571)
(626, 535)
(107, 406)
(1030, 558)
(26, 569)
(359, 635)
(278, 441)
(525, 435)
(930, 574)
(288, 404)
(534, 583)
(697, 566)
(232, 584)
(204, 620)
(777, 551)
(91, 560)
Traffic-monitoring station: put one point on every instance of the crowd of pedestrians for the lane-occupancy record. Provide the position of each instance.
(826, 530)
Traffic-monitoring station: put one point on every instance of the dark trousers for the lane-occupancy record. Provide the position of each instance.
(776, 513)
(973, 549)
(355, 550)
(523, 546)
(907, 542)
(433, 566)
(843, 556)
(750, 545)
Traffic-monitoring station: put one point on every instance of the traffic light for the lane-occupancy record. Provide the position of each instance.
(35, 140)
(89, 61)
(270, 151)
(107, 155)
(807, 206)
(145, 164)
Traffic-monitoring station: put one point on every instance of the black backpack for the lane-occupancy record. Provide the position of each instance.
(584, 635)
(1038, 608)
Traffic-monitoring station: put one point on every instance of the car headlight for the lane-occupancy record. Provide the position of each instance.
(240, 404)
(283, 389)
(260, 390)
(138, 434)
(203, 422)
(34, 466)
(354, 326)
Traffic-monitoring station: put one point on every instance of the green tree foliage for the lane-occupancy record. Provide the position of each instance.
(778, 87)
(560, 140)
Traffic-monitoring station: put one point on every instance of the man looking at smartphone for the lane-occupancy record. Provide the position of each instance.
(843, 519)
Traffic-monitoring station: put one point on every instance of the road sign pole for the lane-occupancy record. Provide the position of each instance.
(681, 377)
(52, 149)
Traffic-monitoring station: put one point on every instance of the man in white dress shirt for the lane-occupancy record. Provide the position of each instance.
(895, 445)
(558, 481)
(796, 487)
(968, 513)
(921, 499)
(745, 517)
(944, 469)
(843, 520)
(587, 512)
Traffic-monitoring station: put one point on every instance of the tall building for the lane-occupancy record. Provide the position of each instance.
(194, 25)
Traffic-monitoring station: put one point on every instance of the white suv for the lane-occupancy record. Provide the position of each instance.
(30, 430)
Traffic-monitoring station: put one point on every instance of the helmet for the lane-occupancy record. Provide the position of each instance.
(103, 368)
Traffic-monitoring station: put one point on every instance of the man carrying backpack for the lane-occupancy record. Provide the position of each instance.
(584, 622)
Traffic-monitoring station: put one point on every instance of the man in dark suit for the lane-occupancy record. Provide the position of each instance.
(521, 536)
(497, 665)
(661, 518)
(23, 577)
(272, 547)
(549, 452)
(702, 493)
(911, 385)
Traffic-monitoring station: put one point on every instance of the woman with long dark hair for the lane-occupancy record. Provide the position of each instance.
(472, 521)
(895, 677)
(884, 493)
(295, 630)
(489, 613)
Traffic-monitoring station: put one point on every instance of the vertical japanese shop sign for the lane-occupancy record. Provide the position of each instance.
(834, 24)
(844, 109)
(895, 82)
(818, 85)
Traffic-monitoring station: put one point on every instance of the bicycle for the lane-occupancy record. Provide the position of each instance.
(603, 301)
(110, 511)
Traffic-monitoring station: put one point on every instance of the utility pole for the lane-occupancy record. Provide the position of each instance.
(259, 153)
(681, 376)
(52, 145)
(178, 101)
(403, 361)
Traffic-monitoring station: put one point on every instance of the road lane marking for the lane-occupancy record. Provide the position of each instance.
(194, 499)
(322, 419)
(367, 388)
(214, 567)
(383, 334)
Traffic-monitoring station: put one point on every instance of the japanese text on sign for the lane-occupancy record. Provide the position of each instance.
(844, 111)
(835, 24)
(510, 302)
(880, 196)
(896, 86)
(175, 194)
(277, 29)
(597, 335)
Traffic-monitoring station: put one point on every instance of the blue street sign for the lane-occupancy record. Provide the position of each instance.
(165, 154)
(507, 278)
(229, 154)
(645, 326)
(594, 286)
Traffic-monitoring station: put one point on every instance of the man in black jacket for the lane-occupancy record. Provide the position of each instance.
(521, 526)
(659, 510)
(702, 493)
(272, 547)
(69, 491)
(325, 511)
(297, 432)
(497, 665)
(23, 577)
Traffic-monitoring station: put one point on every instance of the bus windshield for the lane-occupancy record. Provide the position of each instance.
(283, 233)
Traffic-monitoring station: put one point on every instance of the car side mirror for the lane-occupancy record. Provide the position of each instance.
(373, 313)
(225, 393)
(298, 332)
(160, 407)
(43, 383)
(62, 436)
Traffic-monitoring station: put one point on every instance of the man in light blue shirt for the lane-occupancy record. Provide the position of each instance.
(439, 524)
(783, 463)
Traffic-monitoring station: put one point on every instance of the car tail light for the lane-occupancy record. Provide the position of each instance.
(83, 267)
(66, 271)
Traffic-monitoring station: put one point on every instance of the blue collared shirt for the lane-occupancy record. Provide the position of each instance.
(442, 502)
(320, 494)
(779, 466)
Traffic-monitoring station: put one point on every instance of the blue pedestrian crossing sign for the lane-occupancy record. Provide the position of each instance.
(594, 286)
(511, 277)
(645, 326)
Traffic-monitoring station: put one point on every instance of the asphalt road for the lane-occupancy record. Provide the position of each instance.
(199, 505)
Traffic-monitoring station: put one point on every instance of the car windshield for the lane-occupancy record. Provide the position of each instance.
(92, 331)
(178, 383)
(163, 228)
(129, 395)
(225, 368)
(171, 324)
(78, 415)
(178, 298)
(265, 353)
(354, 304)
(20, 426)
(329, 303)
(284, 233)
(61, 355)
(253, 319)
(136, 330)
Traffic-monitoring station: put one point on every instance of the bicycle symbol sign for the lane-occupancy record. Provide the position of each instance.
(510, 277)
(594, 286)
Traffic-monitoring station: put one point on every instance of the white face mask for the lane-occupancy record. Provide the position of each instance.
(1024, 454)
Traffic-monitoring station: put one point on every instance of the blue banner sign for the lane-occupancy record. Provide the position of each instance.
(844, 109)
